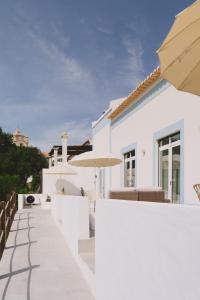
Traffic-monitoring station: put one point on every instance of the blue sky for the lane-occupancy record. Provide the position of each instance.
(62, 61)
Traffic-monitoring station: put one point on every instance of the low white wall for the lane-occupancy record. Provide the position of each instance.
(147, 251)
(72, 215)
(54, 183)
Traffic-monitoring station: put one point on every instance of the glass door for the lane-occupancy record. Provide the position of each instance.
(176, 174)
(164, 170)
(129, 169)
(169, 166)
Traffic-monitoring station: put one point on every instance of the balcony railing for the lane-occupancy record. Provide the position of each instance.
(7, 213)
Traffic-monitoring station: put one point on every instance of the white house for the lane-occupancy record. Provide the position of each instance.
(141, 250)
(156, 130)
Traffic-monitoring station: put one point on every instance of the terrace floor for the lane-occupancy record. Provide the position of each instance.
(37, 263)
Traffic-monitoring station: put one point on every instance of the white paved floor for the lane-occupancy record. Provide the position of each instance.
(37, 264)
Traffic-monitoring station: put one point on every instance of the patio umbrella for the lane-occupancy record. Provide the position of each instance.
(92, 159)
(179, 54)
(95, 160)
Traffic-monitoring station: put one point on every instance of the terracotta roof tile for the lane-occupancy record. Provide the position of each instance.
(140, 89)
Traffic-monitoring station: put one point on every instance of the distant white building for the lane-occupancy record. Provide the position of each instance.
(57, 181)
(20, 139)
(156, 130)
(72, 150)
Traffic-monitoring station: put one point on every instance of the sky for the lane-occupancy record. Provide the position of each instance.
(63, 61)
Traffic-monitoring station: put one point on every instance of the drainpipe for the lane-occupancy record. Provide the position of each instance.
(64, 138)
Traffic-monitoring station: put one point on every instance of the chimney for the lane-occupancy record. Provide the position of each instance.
(55, 154)
(50, 162)
(64, 138)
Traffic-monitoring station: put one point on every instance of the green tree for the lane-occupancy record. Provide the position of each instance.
(5, 141)
(8, 183)
(19, 162)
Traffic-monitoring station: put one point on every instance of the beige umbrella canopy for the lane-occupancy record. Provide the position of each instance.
(92, 159)
(95, 160)
(179, 54)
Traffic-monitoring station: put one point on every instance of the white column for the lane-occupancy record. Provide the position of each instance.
(64, 138)
(50, 162)
(55, 154)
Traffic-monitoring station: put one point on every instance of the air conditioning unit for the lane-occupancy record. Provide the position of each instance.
(30, 199)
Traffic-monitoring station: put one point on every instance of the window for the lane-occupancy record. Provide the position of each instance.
(170, 166)
(129, 169)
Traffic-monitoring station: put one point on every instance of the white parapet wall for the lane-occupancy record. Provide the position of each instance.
(72, 216)
(147, 251)
(72, 184)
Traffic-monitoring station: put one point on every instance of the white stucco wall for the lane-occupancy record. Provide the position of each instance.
(72, 216)
(147, 251)
(72, 183)
(101, 144)
(101, 137)
(157, 113)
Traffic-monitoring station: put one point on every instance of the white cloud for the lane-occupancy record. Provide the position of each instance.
(59, 88)
(139, 25)
(79, 131)
(105, 29)
(61, 38)
(135, 51)
(133, 66)
(65, 67)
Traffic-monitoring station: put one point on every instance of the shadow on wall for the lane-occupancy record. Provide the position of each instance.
(65, 187)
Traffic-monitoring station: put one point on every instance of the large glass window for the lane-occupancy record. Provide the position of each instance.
(129, 168)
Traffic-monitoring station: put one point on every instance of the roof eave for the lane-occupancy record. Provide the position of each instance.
(142, 88)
